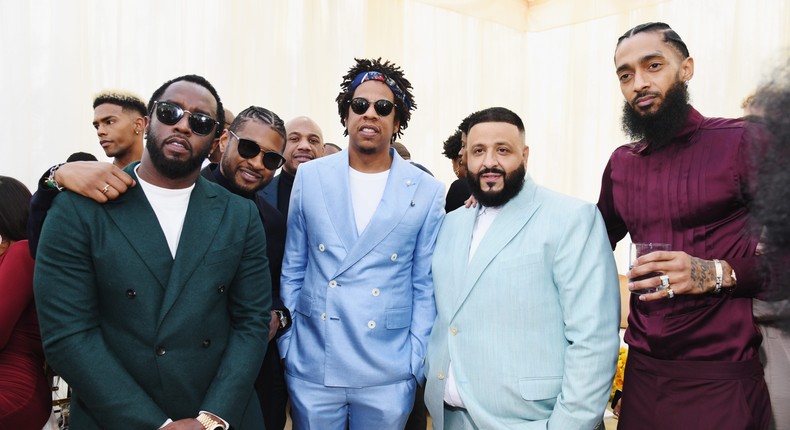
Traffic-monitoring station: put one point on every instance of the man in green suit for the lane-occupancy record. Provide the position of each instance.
(155, 306)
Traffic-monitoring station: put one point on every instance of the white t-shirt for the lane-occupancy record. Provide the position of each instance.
(366, 192)
(170, 207)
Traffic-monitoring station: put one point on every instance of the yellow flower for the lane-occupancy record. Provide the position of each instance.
(620, 372)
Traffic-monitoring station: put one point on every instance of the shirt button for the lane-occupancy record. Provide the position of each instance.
(453, 331)
(221, 288)
(332, 283)
(408, 182)
(371, 324)
(321, 247)
(440, 375)
(160, 351)
(394, 257)
(206, 343)
(323, 317)
(376, 292)
(130, 293)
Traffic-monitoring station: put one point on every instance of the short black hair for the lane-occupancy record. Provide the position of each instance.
(495, 114)
(126, 100)
(262, 115)
(333, 146)
(14, 209)
(195, 79)
(388, 69)
(670, 36)
(452, 146)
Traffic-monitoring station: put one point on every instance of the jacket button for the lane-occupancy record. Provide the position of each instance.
(376, 292)
(206, 343)
(453, 331)
(332, 283)
(394, 257)
(130, 293)
(160, 351)
(321, 247)
(323, 317)
(440, 375)
(221, 288)
(371, 324)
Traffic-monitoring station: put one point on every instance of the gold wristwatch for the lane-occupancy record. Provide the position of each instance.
(209, 423)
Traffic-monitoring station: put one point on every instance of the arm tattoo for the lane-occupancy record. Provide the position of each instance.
(702, 274)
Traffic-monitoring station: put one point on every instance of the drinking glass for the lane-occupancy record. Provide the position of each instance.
(639, 249)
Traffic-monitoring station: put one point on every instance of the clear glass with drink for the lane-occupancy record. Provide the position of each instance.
(639, 249)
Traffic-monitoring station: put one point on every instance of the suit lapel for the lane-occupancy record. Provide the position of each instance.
(137, 222)
(334, 182)
(201, 223)
(396, 200)
(508, 223)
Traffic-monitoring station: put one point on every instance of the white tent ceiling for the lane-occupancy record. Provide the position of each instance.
(539, 15)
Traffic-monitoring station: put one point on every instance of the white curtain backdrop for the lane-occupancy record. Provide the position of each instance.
(289, 56)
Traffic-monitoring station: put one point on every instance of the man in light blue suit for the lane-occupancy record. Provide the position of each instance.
(526, 334)
(357, 269)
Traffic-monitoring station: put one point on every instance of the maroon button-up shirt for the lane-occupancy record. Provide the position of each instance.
(694, 194)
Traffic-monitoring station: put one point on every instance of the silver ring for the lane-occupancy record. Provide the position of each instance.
(105, 189)
(664, 281)
(671, 293)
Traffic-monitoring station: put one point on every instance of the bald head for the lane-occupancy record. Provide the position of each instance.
(304, 142)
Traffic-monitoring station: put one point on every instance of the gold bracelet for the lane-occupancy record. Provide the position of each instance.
(209, 423)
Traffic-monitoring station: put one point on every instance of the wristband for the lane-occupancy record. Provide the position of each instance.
(719, 276)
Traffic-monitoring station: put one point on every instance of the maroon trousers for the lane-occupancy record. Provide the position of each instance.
(699, 395)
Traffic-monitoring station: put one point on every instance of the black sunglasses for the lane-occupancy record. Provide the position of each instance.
(360, 106)
(249, 149)
(171, 113)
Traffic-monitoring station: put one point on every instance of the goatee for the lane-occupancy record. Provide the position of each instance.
(513, 183)
(173, 168)
(657, 129)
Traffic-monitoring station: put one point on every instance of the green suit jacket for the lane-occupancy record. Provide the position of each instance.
(142, 337)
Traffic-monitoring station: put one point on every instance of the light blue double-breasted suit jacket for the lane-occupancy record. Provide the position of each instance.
(140, 336)
(362, 302)
(531, 322)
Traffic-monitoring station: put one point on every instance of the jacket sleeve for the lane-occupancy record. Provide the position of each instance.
(586, 279)
(249, 303)
(423, 304)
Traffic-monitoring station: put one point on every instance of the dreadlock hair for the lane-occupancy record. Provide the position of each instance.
(195, 79)
(261, 115)
(126, 100)
(670, 36)
(452, 146)
(391, 70)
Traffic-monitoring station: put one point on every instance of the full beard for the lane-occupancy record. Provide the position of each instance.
(172, 168)
(657, 129)
(514, 182)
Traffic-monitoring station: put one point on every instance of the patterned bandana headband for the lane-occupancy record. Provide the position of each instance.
(378, 76)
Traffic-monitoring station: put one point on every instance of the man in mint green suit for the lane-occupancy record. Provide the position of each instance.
(526, 334)
(154, 307)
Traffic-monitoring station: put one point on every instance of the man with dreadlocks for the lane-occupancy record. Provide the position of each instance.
(357, 269)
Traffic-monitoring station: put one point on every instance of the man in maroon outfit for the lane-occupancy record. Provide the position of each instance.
(693, 347)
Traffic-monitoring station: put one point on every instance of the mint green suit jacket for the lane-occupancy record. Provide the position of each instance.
(142, 337)
(531, 322)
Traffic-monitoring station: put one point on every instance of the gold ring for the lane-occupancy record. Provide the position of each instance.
(105, 189)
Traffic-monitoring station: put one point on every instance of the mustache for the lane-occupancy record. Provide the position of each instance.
(643, 94)
(491, 170)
